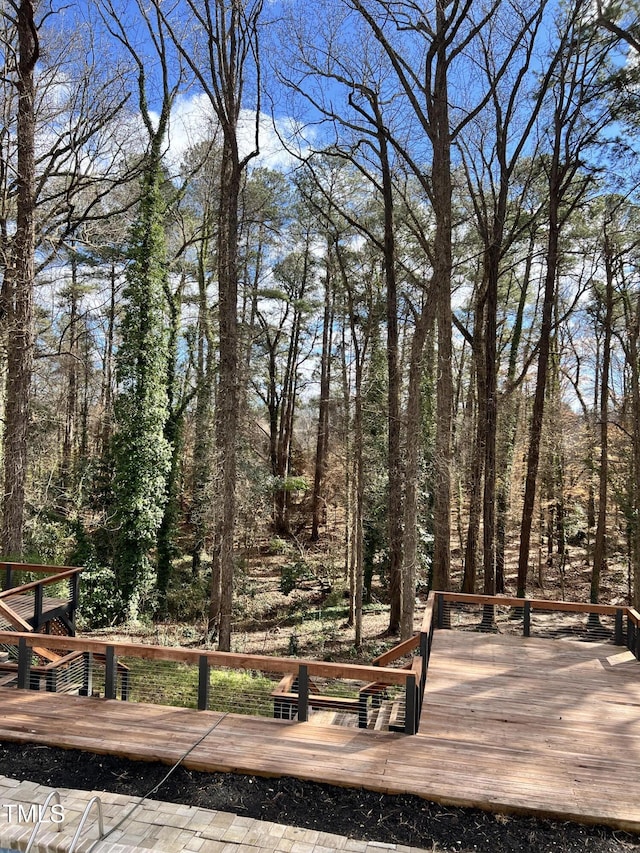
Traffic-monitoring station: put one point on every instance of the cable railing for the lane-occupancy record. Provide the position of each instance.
(385, 696)
(35, 601)
(530, 617)
(224, 681)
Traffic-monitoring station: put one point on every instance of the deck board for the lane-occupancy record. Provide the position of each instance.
(548, 727)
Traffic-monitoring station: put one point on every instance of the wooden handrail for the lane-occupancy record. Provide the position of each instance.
(265, 663)
(27, 587)
(633, 614)
(36, 568)
(427, 618)
(398, 651)
(43, 669)
(536, 603)
(14, 618)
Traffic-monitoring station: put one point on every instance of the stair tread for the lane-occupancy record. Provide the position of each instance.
(398, 714)
(382, 723)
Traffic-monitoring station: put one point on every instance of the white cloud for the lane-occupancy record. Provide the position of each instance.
(192, 121)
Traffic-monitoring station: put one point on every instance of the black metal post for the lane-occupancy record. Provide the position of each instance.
(75, 601)
(52, 681)
(526, 619)
(618, 639)
(303, 693)
(411, 706)
(440, 603)
(24, 664)
(110, 673)
(87, 674)
(8, 576)
(203, 683)
(37, 606)
(424, 653)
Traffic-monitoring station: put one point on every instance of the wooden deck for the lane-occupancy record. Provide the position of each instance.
(23, 606)
(536, 726)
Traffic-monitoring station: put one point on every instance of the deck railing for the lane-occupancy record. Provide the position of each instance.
(35, 602)
(210, 680)
(530, 616)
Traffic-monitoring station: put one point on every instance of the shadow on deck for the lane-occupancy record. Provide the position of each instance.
(508, 723)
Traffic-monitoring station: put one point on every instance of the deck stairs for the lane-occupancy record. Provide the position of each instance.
(388, 716)
(25, 608)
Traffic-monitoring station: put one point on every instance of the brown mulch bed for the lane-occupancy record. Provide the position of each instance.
(355, 813)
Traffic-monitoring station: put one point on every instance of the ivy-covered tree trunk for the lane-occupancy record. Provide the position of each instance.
(141, 450)
(173, 433)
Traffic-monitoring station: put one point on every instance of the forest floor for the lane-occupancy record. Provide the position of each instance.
(310, 620)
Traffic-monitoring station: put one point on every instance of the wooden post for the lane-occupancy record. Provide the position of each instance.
(203, 682)
(411, 706)
(303, 693)
(526, 619)
(24, 664)
(110, 673)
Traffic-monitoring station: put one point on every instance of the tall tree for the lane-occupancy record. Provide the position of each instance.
(574, 125)
(18, 288)
(220, 45)
(142, 452)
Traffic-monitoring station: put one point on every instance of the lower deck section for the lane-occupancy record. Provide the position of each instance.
(545, 727)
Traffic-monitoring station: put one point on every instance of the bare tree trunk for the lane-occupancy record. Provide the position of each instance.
(477, 460)
(20, 287)
(227, 401)
(322, 444)
(599, 549)
(71, 402)
(413, 433)
(394, 455)
(632, 312)
(442, 193)
(508, 432)
(538, 403)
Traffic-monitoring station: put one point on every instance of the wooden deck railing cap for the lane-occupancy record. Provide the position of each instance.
(232, 660)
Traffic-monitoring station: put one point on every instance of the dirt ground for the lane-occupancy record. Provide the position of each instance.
(354, 813)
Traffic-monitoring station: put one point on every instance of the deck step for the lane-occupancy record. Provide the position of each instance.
(373, 717)
(382, 723)
(398, 715)
(323, 718)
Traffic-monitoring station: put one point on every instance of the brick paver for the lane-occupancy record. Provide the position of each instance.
(158, 826)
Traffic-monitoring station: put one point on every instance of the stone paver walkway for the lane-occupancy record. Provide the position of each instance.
(157, 826)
